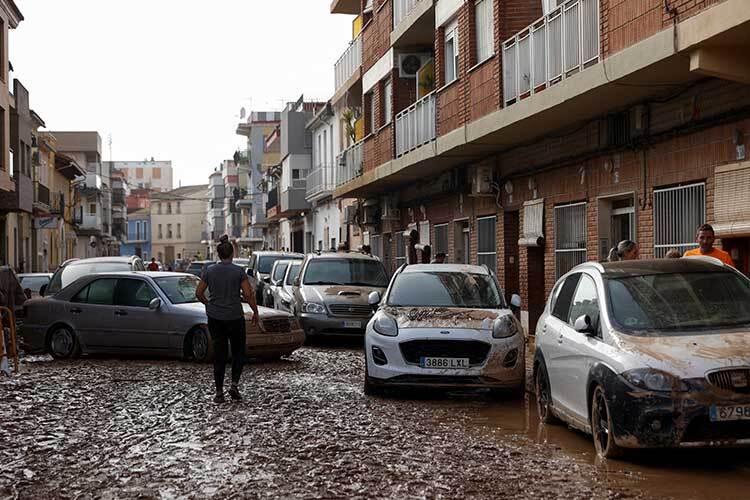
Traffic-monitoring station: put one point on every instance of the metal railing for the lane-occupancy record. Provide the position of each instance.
(349, 164)
(401, 9)
(320, 180)
(552, 48)
(415, 126)
(349, 62)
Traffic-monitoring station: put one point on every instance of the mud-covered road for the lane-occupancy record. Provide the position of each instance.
(119, 428)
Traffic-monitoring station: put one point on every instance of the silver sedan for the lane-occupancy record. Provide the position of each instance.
(152, 313)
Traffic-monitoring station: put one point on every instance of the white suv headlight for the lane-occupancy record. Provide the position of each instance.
(504, 327)
(313, 308)
(385, 325)
(653, 380)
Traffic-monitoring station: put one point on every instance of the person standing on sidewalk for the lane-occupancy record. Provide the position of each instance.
(226, 320)
(705, 238)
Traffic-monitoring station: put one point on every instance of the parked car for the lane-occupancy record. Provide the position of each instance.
(444, 325)
(332, 293)
(648, 354)
(242, 262)
(275, 281)
(197, 267)
(72, 269)
(151, 313)
(284, 293)
(34, 282)
(259, 270)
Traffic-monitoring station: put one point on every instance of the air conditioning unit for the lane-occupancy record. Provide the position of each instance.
(409, 64)
(481, 181)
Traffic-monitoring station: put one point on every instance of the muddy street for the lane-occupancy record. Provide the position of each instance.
(110, 428)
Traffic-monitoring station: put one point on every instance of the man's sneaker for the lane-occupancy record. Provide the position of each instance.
(234, 393)
(219, 398)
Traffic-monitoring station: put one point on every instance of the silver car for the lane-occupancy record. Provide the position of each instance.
(284, 293)
(275, 281)
(259, 269)
(331, 292)
(152, 313)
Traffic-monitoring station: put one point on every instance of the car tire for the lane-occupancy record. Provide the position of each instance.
(200, 346)
(543, 395)
(62, 343)
(370, 388)
(601, 426)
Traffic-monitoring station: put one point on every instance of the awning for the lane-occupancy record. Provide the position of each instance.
(732, 229)
(533, 224)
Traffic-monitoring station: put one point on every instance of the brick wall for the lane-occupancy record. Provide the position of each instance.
(376, 35)
(627, 22)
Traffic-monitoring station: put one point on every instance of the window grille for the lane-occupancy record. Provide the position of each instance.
(487, 242)
(678, 211)
(441, 239)
(570, 237)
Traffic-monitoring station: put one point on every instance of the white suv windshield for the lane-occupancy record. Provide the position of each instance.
(356, 272)
(445, 289)
(676, 302)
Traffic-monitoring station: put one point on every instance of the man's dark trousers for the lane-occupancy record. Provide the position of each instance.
(223, 332)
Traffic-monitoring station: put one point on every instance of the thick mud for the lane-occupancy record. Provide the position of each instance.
(126, 428)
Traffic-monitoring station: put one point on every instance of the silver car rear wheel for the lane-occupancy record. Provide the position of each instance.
(201, 347)
(62, 343)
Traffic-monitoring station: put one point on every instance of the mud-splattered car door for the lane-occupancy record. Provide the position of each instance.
(553, 347)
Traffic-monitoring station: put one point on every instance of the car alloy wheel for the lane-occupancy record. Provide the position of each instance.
(601, 426)
(543, 395)
(62, 343)
(200, 345)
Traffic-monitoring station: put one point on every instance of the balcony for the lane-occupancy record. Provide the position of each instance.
(413, 23)
(558, 45)
(349, 63)
(345, 7)
(415, 126)
(320, 182)
(350, 164)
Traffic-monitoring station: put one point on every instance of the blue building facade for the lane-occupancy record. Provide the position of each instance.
(139, 234)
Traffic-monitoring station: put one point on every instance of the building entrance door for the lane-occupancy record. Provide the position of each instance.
(297, 241)
(535, 281)
(168, 256)
(511, 221)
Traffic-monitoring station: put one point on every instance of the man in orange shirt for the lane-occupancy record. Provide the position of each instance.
(705, 238)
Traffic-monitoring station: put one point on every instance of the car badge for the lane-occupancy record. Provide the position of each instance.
(739, 379)
(445, 332)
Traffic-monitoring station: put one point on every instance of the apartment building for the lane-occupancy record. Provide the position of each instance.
(257, 127)
(177, 223)
(10, 17)
(138, 239)
(214, 225)
(120, 192)
(287, 182)
(532, 135)
(93, 213)
(147, 174)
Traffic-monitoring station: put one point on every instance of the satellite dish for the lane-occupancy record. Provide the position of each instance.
(242, 112)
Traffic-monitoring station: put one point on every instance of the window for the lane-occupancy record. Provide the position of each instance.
(179, 230)
(156, 173)
(487, 242)
(375, 246)
(585, 301)
(99, 292)
(485, 29)
(570, 237)
(133, 293)
(278, 271)
(370, 99)
(138, 230)
(295, 173)
(451, 52)
(400, 249)
(678, 212)
(169, 231)
(564, 296)
(169, 208)
(2, 114)
(179, 208)
(345, 272)
(387, 102)
(139, 173)
(445, 289)
(325, 147)
(161, 234)
(92, 208)
(158, 208)
(441, 239)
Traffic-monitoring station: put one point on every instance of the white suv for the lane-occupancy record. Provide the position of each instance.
(443, 325)
(647, 354)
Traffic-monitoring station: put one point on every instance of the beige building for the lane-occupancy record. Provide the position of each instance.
(146, 174)
(177, 222)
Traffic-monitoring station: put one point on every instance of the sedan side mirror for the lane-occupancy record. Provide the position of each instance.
(584, 325)
(267, 279)
(154, 304)
(373, 299)
(42, 290)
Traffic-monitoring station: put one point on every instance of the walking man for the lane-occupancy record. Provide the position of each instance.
(705, 238)
(226, 321)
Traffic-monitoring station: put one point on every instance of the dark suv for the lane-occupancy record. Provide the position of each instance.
(73, 269)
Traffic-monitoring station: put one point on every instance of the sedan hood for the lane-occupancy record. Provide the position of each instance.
(445, 317)
(687, 356)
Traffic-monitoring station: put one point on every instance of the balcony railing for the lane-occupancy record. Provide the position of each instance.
(91, 221)
(349, 164)
(320, 180)
(556, 46)
(415, 126)
(348, 63)
(401, 9)
(299, 183)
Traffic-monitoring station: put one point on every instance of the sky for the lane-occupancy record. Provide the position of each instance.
(167, 78)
